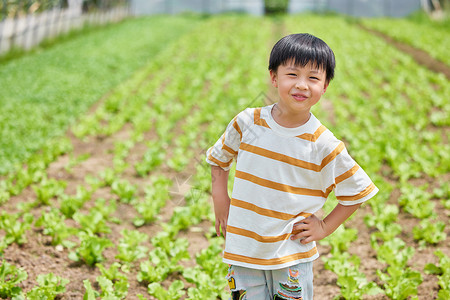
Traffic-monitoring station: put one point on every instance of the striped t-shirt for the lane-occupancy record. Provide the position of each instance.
(283, 175)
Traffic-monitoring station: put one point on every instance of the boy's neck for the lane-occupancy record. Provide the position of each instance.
(285, 119)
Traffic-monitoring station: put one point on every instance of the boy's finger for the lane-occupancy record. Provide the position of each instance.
(306, 240)
(217, 228)
(300, 228)
(297, 235)
(304, 221)
(308, 219)
(224, 230)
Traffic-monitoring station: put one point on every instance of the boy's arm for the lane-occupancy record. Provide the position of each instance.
(314, 229)
(220, 197)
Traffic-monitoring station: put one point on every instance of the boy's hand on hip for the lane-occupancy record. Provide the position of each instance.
(309, 230)
(315, 229)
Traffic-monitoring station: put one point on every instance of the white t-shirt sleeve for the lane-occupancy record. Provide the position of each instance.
(225, 150)
(352, 184)
(342, 174)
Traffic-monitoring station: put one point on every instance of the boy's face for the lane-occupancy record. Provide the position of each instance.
(299, 88)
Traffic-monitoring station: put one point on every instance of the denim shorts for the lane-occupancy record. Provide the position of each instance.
(294, 282)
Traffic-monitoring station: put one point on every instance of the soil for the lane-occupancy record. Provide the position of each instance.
(38, 256)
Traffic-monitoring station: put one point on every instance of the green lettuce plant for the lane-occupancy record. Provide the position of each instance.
(69, 204)
(49, 287)
(400, 282)
(113, 272)
(156, 196)
(91, 248)
(429, 232)
(53, 223)
(15, 227)
(442, 269)
(93, 222)
(129, 247)
(10, 278)
(47, 189)
(174, 292)
(124, 190)
(152, 158)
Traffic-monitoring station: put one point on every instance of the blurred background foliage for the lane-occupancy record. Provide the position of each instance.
(276, 6)
(13, 8)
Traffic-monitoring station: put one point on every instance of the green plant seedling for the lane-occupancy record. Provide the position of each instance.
(15, 228)
(90, 249)
(55, 226)
(129, 248)
(174, 292)
(10, 278)
(49, 287)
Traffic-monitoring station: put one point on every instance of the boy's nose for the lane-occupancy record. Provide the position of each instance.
(301, 85)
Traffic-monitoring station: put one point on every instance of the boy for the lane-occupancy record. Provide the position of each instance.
(287, 164)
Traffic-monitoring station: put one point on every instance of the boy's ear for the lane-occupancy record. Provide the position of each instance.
(273, 78)
(325, 87)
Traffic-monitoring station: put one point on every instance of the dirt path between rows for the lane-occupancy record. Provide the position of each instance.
(420, 56)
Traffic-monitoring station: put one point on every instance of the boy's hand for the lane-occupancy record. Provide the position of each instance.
(315, 229)
(221, 209)
(220, 197)
(312, 229)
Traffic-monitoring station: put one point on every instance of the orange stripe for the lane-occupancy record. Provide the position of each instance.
(364, 193)
(227, 148)
(257, 118)
(266, 212)
(315, 136)
(257, 115)
(341, 178)
(280, 157)
(332, 155)
(238, 129)
(271, 261)
(231, 151)
(279, 186)
(220, 163)
(347, 174)
(257, 237)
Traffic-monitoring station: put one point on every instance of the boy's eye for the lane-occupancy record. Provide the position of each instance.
(315, 78)
(292, 74)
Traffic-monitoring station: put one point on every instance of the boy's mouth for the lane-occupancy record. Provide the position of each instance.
(299, 97)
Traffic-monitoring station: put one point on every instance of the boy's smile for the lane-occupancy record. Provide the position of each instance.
(299, 88)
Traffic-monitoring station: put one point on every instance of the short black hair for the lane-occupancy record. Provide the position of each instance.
(303, 48)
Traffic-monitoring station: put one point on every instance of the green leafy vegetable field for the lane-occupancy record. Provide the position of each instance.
(110, 198)
(43, 93)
